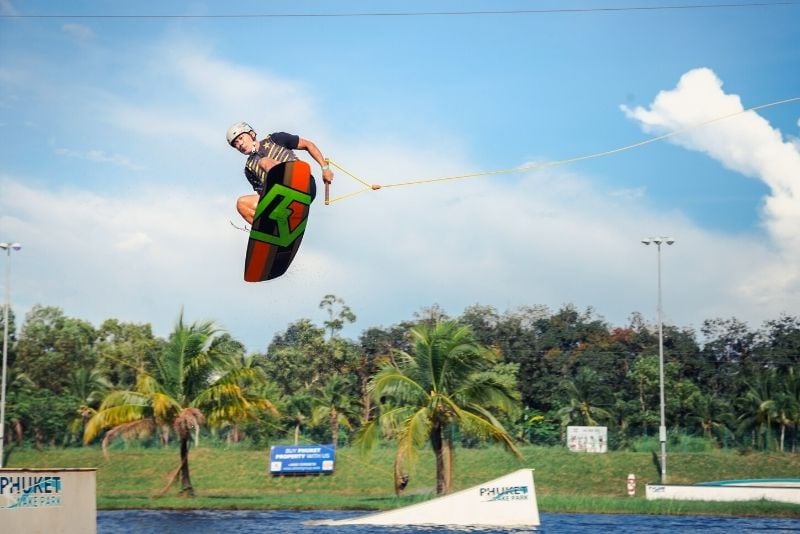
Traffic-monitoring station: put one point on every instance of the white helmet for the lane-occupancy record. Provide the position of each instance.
(238, 129)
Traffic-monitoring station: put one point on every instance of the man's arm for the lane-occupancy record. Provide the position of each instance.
(314, 152)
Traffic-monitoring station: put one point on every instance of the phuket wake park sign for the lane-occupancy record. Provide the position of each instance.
(301, 459)
(30, 491)
(48, 500)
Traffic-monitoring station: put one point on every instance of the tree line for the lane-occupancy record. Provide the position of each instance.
(727, 384)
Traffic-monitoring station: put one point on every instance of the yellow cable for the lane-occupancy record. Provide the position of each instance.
(555, 163)
(347, 172)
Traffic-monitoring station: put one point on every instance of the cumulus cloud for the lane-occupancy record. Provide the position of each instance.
(139, 256)
(749, 145)
(219, 82)
(224, 92)
(549, 237)
(543, 238)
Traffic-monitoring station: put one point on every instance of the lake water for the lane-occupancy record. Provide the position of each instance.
(290, 521)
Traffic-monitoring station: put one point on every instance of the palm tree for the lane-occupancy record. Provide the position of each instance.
(711, 414)
(20, 387)
(758, 409)
(445, 383)
(333, 403)
(239, 373)
(295, 411)
(792, 390)
(89, 387)
(585, 398)
(787, 403)
(784, 407)
(184, 386)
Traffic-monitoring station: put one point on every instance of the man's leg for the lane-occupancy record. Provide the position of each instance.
(246, 206)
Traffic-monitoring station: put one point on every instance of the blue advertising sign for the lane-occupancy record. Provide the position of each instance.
(301, 459)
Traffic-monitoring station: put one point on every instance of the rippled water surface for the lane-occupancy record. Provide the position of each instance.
(213, 521)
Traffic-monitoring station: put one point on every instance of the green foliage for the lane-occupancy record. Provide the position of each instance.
(675, 443)
(446, 383)
(758, 409)
(123, 349)
(339, 313)
(47, 415)
(586, 397)
(52, 346)
(196, 377)
(333, 404)
(728, 385)
(536, 428)
(11, 354)
(300, 358)
(684, 443)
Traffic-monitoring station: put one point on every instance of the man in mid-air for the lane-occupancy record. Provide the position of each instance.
(263, 155)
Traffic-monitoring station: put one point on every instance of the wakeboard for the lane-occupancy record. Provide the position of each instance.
(280, 221)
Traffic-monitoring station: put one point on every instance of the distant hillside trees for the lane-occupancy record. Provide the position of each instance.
(727, 384)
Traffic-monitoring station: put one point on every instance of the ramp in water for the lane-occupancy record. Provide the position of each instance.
(508, 501)
(779, 490)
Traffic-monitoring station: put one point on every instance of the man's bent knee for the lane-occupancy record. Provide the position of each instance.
(246, 206)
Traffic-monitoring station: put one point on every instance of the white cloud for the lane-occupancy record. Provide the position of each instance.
(206, 95)
(544, 238)
(548, 237)
(135, 241)
(748, 145)
(98, 156)
(134, 256)
(221, 83)
(80, 32)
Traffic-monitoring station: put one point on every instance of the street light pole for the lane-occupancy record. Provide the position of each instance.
(662, 430)
(8, 247)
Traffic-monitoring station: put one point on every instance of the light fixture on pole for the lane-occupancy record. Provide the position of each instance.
(662, 430)
(8, 247)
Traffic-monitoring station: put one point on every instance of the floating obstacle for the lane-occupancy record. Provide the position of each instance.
(770, 489)
(508, 501)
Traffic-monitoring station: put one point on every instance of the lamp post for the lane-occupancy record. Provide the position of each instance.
(8, 247)
(662, 430)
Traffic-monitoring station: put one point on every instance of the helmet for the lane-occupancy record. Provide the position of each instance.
(238, 129)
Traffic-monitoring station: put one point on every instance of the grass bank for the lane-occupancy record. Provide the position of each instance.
(565, 482)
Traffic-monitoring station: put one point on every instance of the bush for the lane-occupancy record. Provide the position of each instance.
(645, 444)
(684, 443)
(675, 443)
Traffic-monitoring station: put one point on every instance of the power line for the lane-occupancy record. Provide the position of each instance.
(409, 13)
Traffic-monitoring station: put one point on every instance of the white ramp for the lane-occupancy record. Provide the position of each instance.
(741, 491)
(508, 501)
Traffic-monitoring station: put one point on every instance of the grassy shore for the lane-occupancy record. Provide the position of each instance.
(565, 482)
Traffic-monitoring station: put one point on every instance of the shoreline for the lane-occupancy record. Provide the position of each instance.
(638, 506)
(237, 478)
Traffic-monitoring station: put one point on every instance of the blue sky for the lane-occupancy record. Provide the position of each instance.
(115, 176)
